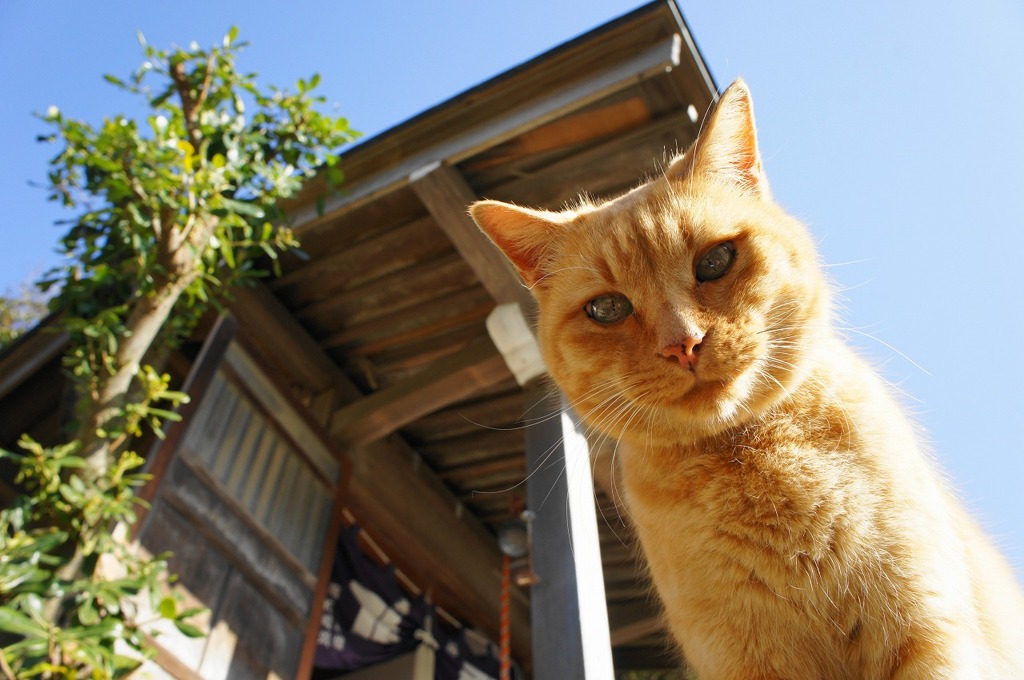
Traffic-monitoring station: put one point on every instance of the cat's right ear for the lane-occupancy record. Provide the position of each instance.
(727, 144)
(520, 233)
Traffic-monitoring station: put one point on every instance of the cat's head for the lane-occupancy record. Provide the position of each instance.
(681, 308)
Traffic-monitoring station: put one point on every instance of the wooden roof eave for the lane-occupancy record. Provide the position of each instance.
(30, 353)
(650, 41)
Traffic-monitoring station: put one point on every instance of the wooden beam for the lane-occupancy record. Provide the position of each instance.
(613, 119)
(267, 324)
(605, 168)
(633, 621)
(447, 197)
(568, 608)
(451, 379)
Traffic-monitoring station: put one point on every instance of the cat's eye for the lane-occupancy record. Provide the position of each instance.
(716, 262)
(608, 309)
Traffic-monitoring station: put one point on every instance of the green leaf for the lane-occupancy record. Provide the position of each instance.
(114, 80)
(15, 622)
(164, 413)
(48, 541)
(24, 577)
(168, 608)
(100, 630)
(242, 208)
(28, 648)
(87, 613)
(156, 101)
(193, 611)
(231, 35)
(335, 175)
(188, 630)
(228, 253)
(189, 151)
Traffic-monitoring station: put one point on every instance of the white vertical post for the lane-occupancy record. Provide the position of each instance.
(568, 608)
(597, 645)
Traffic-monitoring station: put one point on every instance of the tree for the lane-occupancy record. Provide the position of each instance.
(171, 213)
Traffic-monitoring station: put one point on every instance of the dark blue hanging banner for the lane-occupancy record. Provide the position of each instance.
(367, 619)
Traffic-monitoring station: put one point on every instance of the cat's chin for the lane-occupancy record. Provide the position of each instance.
(699, 410)
(706, 408)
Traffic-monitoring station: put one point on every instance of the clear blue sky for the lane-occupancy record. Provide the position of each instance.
(894, 129)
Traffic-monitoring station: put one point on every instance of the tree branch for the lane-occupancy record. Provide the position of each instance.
(189, 106)
(205, 89)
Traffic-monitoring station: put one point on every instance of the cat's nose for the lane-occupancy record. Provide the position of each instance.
(684, 351)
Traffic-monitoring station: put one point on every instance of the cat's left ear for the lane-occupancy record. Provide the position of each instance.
(522, 234)
(727, 145)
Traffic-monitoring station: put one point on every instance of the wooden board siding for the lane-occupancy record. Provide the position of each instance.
(246, 498)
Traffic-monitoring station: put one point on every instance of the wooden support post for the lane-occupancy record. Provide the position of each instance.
(568, 609)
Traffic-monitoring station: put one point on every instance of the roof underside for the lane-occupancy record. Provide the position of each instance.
(389, 291)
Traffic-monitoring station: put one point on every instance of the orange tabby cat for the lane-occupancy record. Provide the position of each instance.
(792, 524)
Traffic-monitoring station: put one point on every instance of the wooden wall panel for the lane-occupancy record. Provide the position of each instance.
(246, 545)
(246, 497)
(250, 638)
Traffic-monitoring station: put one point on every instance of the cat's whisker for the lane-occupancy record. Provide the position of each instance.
(522, 422)
(560, 270)
(829, 265)
(849, 329)
(609, 413)
(855, 286)
(894, 386)
(545, 461)
(613, 463)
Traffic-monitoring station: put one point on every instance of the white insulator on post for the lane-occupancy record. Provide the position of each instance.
(511, 334)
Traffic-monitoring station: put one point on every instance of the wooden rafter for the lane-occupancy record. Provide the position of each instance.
(611, 120)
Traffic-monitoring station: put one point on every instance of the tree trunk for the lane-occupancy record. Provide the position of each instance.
(144, 322)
